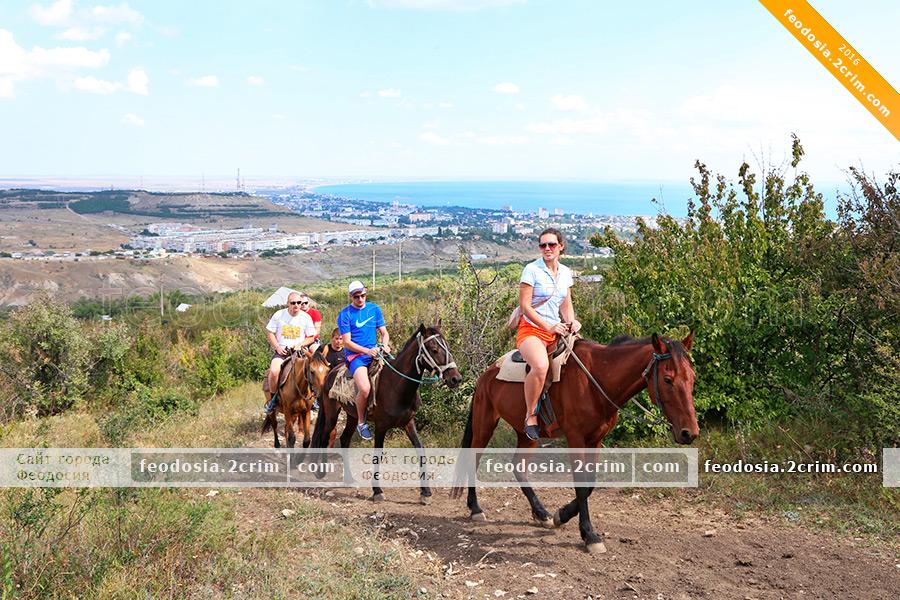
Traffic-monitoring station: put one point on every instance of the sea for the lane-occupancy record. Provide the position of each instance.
(595, 198)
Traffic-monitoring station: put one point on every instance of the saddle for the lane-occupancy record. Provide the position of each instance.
(344, 389)
(514, 368)
(286, 367)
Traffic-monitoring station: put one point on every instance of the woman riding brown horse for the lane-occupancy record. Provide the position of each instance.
(397, 396)
(297, 395)
(585, 412)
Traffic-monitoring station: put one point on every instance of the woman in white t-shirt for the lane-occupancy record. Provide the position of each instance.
(545, 300)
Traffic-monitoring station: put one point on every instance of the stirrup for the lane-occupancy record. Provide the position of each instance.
(271, 404)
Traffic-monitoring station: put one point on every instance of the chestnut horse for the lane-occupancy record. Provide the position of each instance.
(397, 395)
(296, 396)
(622, 369)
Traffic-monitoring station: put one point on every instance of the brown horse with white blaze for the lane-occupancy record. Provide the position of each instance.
(296, 396)
(622, 369)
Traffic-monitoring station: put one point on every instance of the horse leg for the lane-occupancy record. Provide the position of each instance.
(304, 422)
(349, 430)
(593, 541)
(538, 512)
(480, 439)
(289, 426)
(413, 435)
(377, 492)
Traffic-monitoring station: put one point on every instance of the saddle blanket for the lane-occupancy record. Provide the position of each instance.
(286, 367)
(344, 389)
(514, 368)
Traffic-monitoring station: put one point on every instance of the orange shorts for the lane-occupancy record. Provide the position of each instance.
(526, 329)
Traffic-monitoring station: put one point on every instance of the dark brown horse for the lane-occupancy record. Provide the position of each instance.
(296, 396)
(397, 396)
(622, 369)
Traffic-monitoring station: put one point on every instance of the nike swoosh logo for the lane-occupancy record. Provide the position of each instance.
(358, 324)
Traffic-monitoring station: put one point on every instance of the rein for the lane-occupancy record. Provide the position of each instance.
(653, 419)
(425, 357)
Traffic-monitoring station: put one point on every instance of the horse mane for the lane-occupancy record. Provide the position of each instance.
(675, 346)
(318, 357)
(413, 337)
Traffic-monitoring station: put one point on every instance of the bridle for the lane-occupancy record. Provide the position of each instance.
(424, 356)
(653, 420)
(652, 371)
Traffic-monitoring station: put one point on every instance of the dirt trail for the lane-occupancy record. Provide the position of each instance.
(658, 548)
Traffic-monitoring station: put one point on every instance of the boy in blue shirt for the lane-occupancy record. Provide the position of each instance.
(358, 323)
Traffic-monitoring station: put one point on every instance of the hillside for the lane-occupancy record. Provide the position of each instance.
(109, 278)
(78, 221)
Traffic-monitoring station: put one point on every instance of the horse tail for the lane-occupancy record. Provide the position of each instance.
(457, 490)
(467, 436)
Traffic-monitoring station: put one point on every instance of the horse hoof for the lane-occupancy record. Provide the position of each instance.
(557, 520)
(424, 500)
(479, 516)
(377, 497)
(596, 548)
(547, 523)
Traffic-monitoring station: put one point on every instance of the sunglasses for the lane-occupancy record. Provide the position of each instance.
(297, 302)
(550, 245)
(357, 296)
(304, 302)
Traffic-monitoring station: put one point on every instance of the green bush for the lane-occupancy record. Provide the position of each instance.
(786, 313)
(46, 357)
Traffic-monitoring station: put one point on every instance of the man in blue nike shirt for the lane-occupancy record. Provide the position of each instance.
(358, 323)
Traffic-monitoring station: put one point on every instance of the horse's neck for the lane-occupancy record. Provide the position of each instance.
(620, 369)
(405, 362)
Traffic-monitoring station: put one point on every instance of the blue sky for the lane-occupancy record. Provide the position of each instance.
(450, 89)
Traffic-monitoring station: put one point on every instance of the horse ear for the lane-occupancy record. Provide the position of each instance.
(686, 342)
(421, 327)
(658, 345)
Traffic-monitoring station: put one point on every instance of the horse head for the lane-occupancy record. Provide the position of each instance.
(670, 383)
(434, 355)
(317, 368)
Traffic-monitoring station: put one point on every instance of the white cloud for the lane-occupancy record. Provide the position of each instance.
(451, 5)
(445, 105)
(123, 37)
(77, 56)
(115, 15)
(562, 102)
(506, 88)
(255, 80)
(431, 125)
(57, 13)
(7, 90)
(18, 64)
(596, 124)
(138, 82)
(82, 34)
(431, 137)
(389, 93)
(133, 119)
(92, 85)
(366, 94)
(205, 81)
(501, 140)
(520, 106)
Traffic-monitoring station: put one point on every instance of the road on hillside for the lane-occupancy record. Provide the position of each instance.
(658, 547)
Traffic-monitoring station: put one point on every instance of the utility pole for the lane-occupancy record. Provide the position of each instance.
(162, 309)
(373, 268)
(400, 262)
